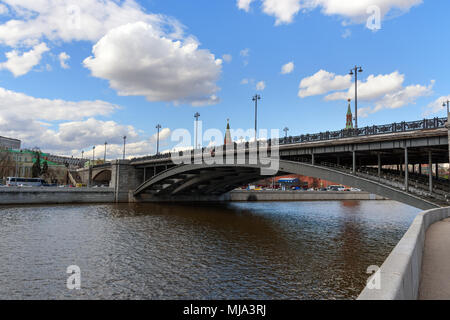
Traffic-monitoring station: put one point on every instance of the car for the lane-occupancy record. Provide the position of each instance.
(336, 188)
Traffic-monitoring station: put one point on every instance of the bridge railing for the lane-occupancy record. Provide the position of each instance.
(102, 165)
(395, 127)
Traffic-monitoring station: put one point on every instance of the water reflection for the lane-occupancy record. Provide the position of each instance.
(275, 250)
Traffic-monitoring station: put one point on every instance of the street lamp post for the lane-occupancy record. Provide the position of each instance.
(286, 132)
(82, 154)
(104, 156)
(196, 116)
(93, 155)
(124, 142)
(355, 71)
(447, 103)
(255, 98)
(157, 139)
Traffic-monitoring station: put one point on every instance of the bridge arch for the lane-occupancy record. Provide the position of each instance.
(102, 177)
(220, 179)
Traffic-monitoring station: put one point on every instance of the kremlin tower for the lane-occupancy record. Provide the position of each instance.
(349, 124)
(228, 134)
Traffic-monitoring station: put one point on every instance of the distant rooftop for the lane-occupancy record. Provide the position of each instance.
(12, 139)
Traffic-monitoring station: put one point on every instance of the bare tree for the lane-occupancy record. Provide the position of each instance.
(7, 163)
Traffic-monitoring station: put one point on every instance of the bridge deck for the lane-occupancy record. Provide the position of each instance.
(435, 280)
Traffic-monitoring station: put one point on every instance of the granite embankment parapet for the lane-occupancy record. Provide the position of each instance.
(401, 275)
(43, 195)
(288, 195)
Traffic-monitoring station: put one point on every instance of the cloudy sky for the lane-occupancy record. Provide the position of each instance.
(74, 74)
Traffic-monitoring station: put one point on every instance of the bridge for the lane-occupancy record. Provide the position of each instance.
(392, 161)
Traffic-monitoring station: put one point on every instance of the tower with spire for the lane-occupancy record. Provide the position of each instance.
(228, 134)
(349, 124)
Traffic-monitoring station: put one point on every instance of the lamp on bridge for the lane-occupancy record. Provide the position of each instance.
(255, 98)
(354, 71)
(93, 155)
(286, 129)
(447, 103)
(196, 116)
(124, 142)
(104, 156)
(158, 126)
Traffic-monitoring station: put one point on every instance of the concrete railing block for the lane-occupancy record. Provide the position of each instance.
(401, 272)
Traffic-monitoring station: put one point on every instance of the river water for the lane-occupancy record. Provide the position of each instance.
(256, 250)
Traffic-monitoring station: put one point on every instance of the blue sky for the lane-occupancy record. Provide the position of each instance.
(138, 76)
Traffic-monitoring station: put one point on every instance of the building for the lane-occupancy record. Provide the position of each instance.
(294, 180)
(228, 139)
(19, 163)
(70, 161)
(349, 122)
(9, 143)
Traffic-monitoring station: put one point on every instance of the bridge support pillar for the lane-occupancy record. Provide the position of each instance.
(354, 163)
(447, 125)
(313, 159)
(89, 182)
(406, 170)
(124, 178)
(436, 168)
(430, 172)
(379, 164)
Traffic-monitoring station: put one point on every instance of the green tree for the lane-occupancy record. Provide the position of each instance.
(45, 167)
(36, 169)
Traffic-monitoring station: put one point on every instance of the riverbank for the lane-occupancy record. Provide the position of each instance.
(288, 195)
(51, 195)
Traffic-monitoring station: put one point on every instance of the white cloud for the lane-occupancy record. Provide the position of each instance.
(245, 52)
(357, 10)
(400, 98)
(164, 134)
(57, 21)
(244, 81)
(90, 132)
(405, 96)
(15, 104)
(70, 20)
(436, 106)
(3, 9)
(373, 88)
(67, 127)
(158, 68)
(346, 34)
(244, 4)
(287, 68)
(284, 11)
(63, 58)
(382, 91)
(260, 86)
(21, 63)
(323, 82)
(227, 58)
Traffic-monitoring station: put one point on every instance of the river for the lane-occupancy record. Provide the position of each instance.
(251, 250)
